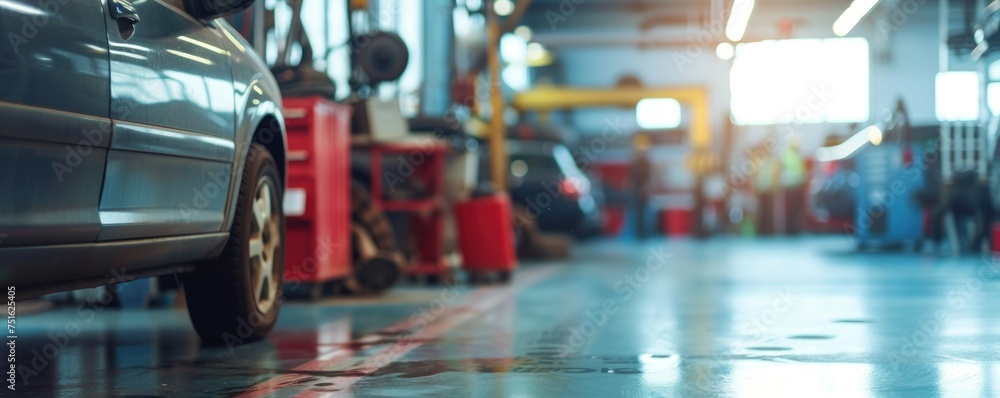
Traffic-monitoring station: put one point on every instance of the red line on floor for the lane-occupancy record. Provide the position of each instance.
(469, 306)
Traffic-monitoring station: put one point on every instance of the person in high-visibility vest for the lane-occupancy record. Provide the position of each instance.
(765, 188)
(793, 181)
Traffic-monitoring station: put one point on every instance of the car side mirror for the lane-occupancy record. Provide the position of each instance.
(212, 9)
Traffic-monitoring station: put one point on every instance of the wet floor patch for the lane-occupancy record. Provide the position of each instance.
(769, 348)
(811, 337)
(330, 380)
(360, 345)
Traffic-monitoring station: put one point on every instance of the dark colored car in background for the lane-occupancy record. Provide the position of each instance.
(546, 182)
(142, 139)
(832, 190)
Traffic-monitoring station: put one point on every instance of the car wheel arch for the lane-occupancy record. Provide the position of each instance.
(269, 131)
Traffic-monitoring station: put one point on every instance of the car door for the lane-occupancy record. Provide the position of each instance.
(54, 126)
(172, 104)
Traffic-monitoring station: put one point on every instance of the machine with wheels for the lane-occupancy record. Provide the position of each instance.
(889, 213)
(894, 165)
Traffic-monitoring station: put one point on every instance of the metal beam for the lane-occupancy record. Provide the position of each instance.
(552, 98)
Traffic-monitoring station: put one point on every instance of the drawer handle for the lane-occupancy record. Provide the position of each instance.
(295, 113)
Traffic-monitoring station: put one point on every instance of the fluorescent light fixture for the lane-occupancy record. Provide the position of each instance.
(516, 77)
(658, 113)
(852, 15)
(738, 19)
(725, 50)
(956, 96)
(993, 71)
(872, 134)
(514, 52)
(513, 49)
(993, 98)
(800, 81)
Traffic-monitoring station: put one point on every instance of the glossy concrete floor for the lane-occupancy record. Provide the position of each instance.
(726, 317)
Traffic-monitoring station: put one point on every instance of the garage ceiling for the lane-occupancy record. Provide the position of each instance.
(632, 14)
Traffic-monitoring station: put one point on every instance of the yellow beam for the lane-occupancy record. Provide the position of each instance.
(550, 98)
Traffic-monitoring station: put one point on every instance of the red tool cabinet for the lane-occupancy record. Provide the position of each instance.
(425, 158)
(317, 197)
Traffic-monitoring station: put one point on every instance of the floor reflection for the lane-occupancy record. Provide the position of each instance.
(723, 317)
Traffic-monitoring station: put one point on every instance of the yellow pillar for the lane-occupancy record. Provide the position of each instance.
(497, 137)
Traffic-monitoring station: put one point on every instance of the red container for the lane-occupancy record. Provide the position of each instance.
(613, 175)
(676, 222)
(614, 220)
(317, 200)
(995, 242)
(485, 234)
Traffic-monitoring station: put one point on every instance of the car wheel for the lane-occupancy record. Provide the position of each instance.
(238, 295)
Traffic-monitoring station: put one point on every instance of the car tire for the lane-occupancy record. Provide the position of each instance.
(237, 296)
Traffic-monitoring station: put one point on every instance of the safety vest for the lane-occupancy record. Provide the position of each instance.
(793, 171)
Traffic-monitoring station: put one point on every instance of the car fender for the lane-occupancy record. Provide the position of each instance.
(258, 107)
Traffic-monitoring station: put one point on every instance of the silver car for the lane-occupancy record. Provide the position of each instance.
(141, 139)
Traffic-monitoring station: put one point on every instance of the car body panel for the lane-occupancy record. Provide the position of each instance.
(53, 146)
(83, 265)
(170, 183)
(171, 92)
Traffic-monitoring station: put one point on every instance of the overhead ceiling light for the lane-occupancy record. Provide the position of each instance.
(658, 113)
(857, 10)
(725, 50)
(956, 96)
(539, 56)
(523, 32)
(503, 8)
(738, 19)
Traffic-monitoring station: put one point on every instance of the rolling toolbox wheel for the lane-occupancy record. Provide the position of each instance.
(446, 277)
